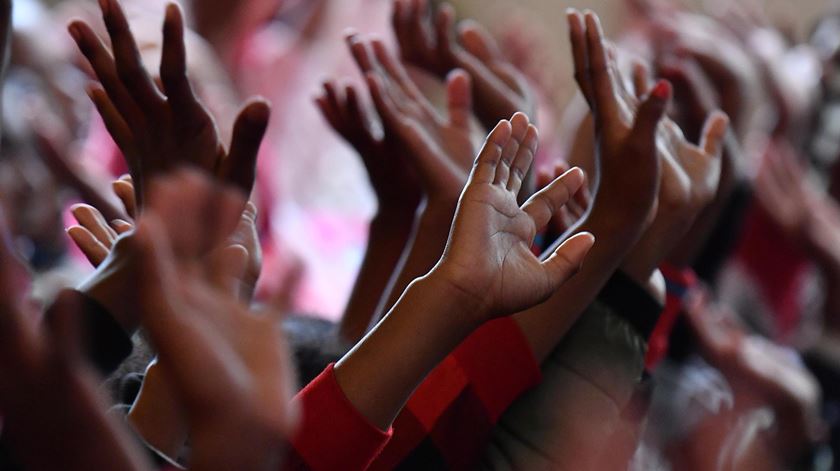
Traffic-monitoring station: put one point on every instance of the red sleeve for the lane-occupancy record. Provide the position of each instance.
(332, 435)
(448, 420)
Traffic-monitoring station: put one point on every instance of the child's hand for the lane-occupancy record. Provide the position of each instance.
(44, 380)
(198, 325)
(440, 148)
(626, 131)
(689, 182)
(159, 131)
(428, 41)
(488, 257)
(382, 152)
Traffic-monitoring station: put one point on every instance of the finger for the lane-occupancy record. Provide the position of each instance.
(382, 101)
(129, 65)
(602, 83)
(362, 53)
(397, 73)
(568, 259)
(484, 169)
(523, 160)
(459, 98)
(91, 219)
(100, 59)
(580, 55)
(121, 227)
(519, 126)
(650, 113)
(114, 122)
(445, 31)
(477, 41)
(543, 205)
(240, 167)
(641, 80)
(358, 112)
(90, 246)
(399, 24)
(714, 134)
(125, 192)
(173, 66)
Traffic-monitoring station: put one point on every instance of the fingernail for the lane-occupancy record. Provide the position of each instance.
(74, 31)
(662, 90)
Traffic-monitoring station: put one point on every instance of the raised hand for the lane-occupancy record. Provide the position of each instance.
(428, 41)
(760, 373)
(44, 380)
(383, 153)
(94, 236)
(689, 182)
(625, 129)
(507, 276)
(197, 324)
(158, 131)
(440, 148)
(486, 271)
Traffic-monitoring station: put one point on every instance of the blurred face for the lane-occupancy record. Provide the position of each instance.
(28, 195)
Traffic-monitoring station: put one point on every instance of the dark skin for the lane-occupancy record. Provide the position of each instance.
(627, 184)
(437, 150)
(160, 129)
(53, 414)
(397, 192)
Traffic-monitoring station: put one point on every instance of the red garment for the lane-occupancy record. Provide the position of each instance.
(678, 282)
(333, 435)
(446, 422)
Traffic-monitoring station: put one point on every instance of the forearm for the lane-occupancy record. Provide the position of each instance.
(546, 324)
(379, 375)
(425, 250)
(388, 237)
(70, 432)
(156, 417)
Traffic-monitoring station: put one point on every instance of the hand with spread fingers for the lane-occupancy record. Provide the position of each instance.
(487, 271)
(398, 192)
(96, 238)
(383, 153)
(427, 40)
(158, 131)
(626, 185)
(689, 182)
(508, 277)
(198, 324)
(440, 148)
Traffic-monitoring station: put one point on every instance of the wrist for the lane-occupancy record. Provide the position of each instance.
(447, 286)
(113, 285)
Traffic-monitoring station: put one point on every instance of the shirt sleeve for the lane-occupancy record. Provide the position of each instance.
(333, 434)
(448, 420)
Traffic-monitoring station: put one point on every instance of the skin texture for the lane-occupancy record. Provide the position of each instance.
(627, 164)
(196, 321)
(487, 271)
(428, 40)
(53, 414)
(160, 129)
(438, 151)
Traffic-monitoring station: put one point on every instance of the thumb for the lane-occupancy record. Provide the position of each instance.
(459, 97)
(568, 259)
(651, 111)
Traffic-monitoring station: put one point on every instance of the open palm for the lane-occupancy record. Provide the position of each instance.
(488, 256)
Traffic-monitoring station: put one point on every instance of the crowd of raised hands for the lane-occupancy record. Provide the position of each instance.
(658, 292)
